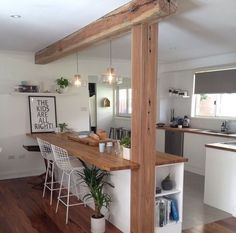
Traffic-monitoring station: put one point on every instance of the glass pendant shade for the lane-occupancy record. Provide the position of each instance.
(110, 76)
(77, 80)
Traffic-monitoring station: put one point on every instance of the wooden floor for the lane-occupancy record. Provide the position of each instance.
(223, 226)
(22, 210)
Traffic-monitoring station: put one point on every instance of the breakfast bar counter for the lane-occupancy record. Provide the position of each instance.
(89, 154)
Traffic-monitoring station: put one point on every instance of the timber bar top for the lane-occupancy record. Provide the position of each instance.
(164, 159)
(89, 154)
(105, 161)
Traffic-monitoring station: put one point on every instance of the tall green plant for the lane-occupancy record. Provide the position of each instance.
(94, 178)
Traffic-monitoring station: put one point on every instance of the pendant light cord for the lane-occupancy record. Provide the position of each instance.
(77, 64)
(110, 55)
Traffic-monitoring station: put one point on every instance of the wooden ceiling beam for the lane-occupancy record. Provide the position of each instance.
(113, 24)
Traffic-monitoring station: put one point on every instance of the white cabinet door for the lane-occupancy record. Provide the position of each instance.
(195, 151)
(220, 180)
(160, 140)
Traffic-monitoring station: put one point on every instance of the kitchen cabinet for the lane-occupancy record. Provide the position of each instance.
(220, 180)
(194, 150)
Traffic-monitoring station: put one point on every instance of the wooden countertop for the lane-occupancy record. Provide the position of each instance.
(89, 154)
(105, 161)
(198, 131)
(221, 146)
(164, 159)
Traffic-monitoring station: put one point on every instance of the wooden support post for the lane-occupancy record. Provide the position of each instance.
(144, 76)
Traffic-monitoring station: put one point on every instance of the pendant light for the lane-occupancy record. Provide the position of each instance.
(110, 76)
(78, 82)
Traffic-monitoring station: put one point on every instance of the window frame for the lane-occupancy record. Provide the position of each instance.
(217, 110)
(123, 115)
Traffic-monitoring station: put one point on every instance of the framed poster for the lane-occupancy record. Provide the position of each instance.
(43, 116)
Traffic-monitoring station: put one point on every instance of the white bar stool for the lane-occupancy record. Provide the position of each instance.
(46, 152)
(68, 167)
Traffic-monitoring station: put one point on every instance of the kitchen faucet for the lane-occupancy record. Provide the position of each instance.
(225, 126)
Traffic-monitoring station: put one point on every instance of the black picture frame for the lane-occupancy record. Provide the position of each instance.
(43, 114)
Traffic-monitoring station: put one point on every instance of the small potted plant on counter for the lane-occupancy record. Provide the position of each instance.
(62, 127)
(63, 84)
(126, 147)
(95, 179)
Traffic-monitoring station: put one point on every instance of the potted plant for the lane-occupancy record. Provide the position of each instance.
(126, 147)
(63, 84)
(62, 127)
(94, 178)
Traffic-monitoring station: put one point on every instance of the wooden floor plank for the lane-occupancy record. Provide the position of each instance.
(23, 210)
(222, 226)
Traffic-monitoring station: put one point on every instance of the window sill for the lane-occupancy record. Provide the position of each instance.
(127, 118)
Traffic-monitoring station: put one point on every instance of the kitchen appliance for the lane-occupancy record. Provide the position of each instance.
(174, 142)
(186, 122)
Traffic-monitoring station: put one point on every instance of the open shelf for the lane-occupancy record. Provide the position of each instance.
(42, 94)
(167, 193)
(170, 227)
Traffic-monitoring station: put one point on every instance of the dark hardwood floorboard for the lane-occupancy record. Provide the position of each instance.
(23, 210)
(223, 226)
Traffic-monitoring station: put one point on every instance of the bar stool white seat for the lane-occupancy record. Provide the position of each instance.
(68, 167)
(46, 152)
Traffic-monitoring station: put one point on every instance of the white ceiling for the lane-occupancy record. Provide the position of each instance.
(201, 28)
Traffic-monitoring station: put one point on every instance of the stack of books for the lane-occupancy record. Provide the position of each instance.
(166, 211)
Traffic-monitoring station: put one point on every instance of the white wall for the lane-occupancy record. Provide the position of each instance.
(104, 114)
(14, 115)
(180, 75)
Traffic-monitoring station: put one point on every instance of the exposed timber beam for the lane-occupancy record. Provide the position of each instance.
(144, 89)
(113, 24)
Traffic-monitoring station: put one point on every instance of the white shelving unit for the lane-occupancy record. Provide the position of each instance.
(176, 172)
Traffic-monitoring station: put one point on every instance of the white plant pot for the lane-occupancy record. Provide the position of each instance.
(62, 90)
(126, 153)
(98, 225)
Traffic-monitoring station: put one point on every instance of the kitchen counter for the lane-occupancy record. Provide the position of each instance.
(220, 179)
(222, 146)
(198, 131)
(165, 159)
(105, 161)
(89, 154)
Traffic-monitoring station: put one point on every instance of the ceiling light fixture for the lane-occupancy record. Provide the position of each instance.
(15, 16)
(78, 82)
(110, 77)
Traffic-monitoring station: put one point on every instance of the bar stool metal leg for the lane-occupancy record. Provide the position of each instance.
(68, 198)
(52, 183)
(46, 178)
(59, 195)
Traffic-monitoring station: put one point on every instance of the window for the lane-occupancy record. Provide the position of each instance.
(215, 105)
(215, 93)
(123, 102)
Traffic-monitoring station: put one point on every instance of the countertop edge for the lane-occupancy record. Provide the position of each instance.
(197, 131)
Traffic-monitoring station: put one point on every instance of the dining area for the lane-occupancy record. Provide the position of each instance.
(66, 161)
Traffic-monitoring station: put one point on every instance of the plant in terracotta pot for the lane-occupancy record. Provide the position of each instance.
(63, 84)
(126, 147)
(167, 183)
(95, 179)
